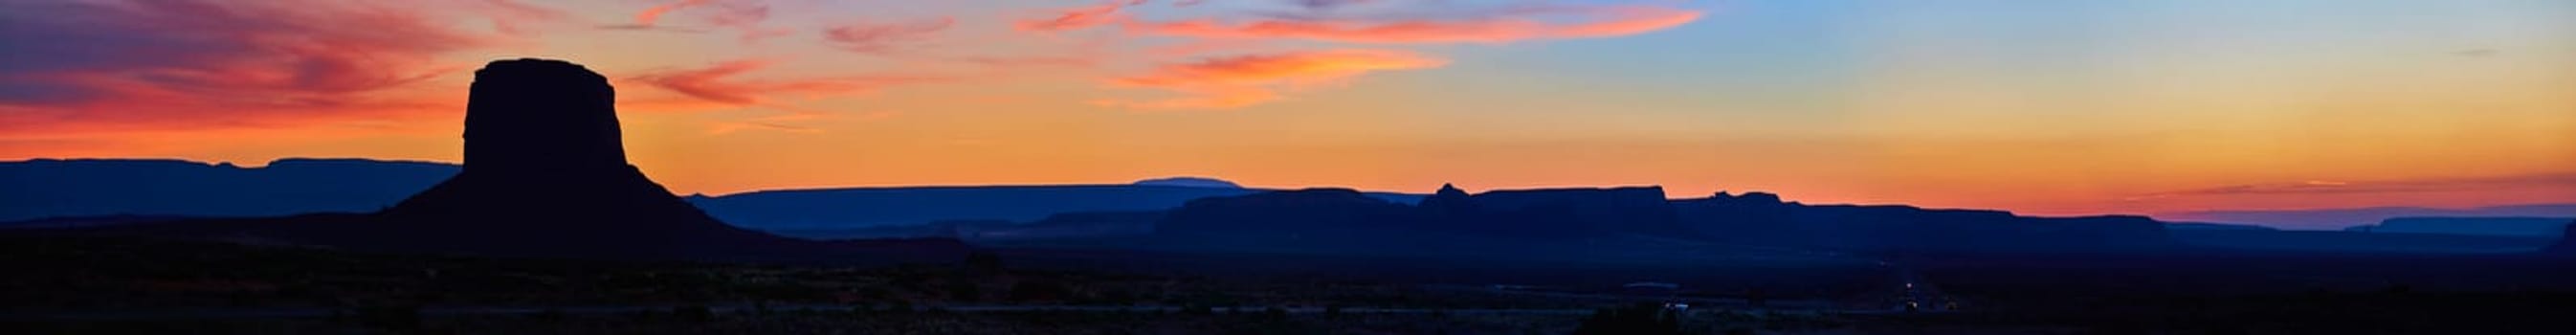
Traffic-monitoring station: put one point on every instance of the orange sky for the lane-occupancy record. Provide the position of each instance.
(2065, 108)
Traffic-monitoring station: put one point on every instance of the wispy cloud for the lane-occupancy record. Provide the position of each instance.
(880, 38)
(190, 64)
(1030, 61)
(1549, 22)
(790, 122)
(723, 83)
(513, 17)
(2382, 186)
(1238, 81)
(1318, 26)
(743, 16)
(1330, 4)
(653, 15)
(1079, 17)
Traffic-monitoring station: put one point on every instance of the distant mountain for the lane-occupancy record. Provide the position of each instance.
(50, 188)
(2358, 242)
(1764, 219)
(865, 207)
(1317, 214)
(1070, 225)
(2339, 218)
(1074, 225)
(2213, 226)
(162, 188)
(2497, 226)
(1520, 220)
(886, 206)
(545, 175)
(1189, 182)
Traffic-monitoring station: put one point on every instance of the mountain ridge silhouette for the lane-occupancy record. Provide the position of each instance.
(546, 176)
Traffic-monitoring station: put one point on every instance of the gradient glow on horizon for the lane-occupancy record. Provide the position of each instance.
(2046, 107)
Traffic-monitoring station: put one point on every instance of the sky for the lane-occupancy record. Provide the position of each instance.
(2041, 107)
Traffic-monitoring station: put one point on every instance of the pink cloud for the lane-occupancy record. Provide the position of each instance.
(791, 122)
(194, 64)
(1559, 22)
(744, 16)
(1080, 17)
(1030, 61)
(1239, 81)
(720, 83)
(513, 17)
(883, 37)
(653, 15)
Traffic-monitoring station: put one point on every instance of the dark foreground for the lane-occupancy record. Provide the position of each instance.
(61, 284)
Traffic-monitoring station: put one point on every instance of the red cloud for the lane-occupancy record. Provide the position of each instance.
(717, 83)
(883, 38)
(1571, 22)
(789, 122)
(1231, 82)
(199, 64)
(512, 16)
(1030, 61)
(743, 15)
(1080, 17)
(652, 15)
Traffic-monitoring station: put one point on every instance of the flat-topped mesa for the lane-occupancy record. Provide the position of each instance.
(541, 116)
(545, 175)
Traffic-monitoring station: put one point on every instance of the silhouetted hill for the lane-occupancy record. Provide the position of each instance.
(1075, 225)
(2339, 218)
(1503, 221)
(893, 206)
(864, 207)
(2213, 226)
(162, 188)
(49, 188)
(2549, 227)
(1576, 212)
(1763, 219)
(546, 175)
(2358, 242)
(1189, 182)
(1284, 215)
(1330, 216)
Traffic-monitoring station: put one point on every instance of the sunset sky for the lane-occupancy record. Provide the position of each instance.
(2044, 107)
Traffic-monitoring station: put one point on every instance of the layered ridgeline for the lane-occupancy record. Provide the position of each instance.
(545, 174)
(2344, 218)
(81, 188)
(2543, 227)
(54, 193)
(1612, 218)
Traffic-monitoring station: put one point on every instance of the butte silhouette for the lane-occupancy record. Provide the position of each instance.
(546, 175)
